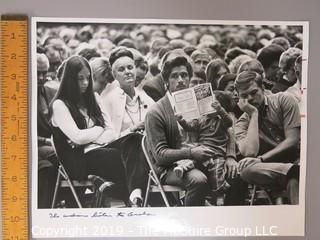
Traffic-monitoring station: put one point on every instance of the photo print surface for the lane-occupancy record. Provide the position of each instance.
(117, 152)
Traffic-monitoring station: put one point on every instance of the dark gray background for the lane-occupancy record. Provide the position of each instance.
(307, 10)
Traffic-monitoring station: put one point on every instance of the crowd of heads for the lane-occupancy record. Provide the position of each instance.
(226, 56)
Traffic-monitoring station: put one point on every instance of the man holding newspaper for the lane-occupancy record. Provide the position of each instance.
(203, 165)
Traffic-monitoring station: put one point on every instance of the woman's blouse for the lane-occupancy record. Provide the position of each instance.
(92, 137)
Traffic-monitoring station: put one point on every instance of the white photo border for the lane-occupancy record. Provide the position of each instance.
(281, 220)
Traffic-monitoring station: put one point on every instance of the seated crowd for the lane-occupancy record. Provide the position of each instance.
(101, 89)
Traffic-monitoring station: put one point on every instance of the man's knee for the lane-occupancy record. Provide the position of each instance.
(196, 178)
(248, 174)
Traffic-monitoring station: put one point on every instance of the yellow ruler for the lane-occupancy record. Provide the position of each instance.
(14, 126)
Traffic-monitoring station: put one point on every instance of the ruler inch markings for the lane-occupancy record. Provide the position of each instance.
(14, 145)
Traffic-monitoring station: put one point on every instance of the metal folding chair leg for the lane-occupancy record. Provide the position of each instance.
(154, 184)
(147, 192)
(56, 189)
(74, 193)
(253, 194)
(164, 197)
(63, 173)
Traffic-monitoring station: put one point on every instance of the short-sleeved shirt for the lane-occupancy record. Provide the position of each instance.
(214, 135)
(279, 113)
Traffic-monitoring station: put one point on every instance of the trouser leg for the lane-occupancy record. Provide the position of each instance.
(194, 182)
(293, 191)
(135, 164)
(47, 173)
(266, 174)
(106, 163)
(237, 192)
(274, 175)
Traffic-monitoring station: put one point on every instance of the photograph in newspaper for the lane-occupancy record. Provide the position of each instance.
(194, 102)
(205, 98)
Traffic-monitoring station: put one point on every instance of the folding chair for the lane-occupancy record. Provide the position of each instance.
(63, 181)
(154, 184)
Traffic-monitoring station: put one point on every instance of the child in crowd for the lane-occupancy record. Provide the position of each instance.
(212, 132)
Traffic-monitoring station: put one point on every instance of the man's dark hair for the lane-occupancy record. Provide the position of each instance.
(189, 49)
(89, 53)
(177, 61)
(269, 54)
(233, 53)
(245, 79)
(282, 42)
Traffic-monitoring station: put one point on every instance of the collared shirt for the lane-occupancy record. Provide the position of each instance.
(296, 92)
(280, 113)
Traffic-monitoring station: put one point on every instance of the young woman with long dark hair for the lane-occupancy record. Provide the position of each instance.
(82, 129)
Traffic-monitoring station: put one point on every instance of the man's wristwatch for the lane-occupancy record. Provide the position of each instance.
(261, 158)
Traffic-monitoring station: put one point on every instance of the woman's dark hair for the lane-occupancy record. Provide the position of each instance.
(140, 62)
(225, 99)
(69, 91)
(229, 77)
(212, 69)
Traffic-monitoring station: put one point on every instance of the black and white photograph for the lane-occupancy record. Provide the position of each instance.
(107, 136)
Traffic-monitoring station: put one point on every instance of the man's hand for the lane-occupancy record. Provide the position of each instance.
(201, 153)
(178, 117)
(245, 106)
(231, 168)
(247, 161)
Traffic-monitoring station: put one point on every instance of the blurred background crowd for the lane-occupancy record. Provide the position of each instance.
(232, 44)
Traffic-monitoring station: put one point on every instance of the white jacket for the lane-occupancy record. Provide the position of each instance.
(114, 101)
